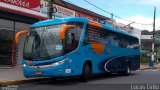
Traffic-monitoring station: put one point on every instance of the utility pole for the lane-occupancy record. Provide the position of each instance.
(51, 9)
(151, 63)
(112, 19)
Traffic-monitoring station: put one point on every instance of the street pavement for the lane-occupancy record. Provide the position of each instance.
(100, 82)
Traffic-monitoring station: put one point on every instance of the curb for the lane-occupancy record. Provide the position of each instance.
(23, 81)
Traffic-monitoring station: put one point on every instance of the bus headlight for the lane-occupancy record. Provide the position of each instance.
(24, 65)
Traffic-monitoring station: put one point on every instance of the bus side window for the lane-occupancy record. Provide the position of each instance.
(70, 39)
(136, 44)
(86, 38)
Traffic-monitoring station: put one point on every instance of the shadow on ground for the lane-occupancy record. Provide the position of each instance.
(76, 80)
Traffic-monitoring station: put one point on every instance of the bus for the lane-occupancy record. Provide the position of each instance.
(71, 47)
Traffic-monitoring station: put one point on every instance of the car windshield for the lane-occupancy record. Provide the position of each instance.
(43, 42)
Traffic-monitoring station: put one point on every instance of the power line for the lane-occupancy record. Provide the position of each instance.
(69, 1)
(113, 14)
(97, 7)
(130, 21)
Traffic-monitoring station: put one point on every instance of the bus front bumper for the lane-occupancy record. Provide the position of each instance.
(57, 70)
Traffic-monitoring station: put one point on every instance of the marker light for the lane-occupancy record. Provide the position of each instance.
(24, 65)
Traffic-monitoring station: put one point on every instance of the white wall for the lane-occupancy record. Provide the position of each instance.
(146, 36)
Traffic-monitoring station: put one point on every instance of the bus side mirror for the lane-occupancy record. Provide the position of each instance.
(64, 29)
(19, 34)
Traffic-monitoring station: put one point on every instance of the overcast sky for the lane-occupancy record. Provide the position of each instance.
(140, 11)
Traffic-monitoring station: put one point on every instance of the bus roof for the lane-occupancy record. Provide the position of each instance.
(78, 19)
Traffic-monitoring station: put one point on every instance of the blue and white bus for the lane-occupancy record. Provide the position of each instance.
(77, 47)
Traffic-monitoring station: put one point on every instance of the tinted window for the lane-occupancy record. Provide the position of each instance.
(99, 35)
(73, 37)
(95, 34)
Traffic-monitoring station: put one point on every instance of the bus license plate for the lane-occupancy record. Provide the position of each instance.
(38, 73)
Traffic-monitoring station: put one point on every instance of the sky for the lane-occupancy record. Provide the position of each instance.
(140, 11)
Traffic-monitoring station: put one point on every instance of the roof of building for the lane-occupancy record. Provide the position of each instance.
(79, 9)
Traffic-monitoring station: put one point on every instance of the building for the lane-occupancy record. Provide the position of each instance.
(147, 40)
(134, 31)
(16, 15)
(146, 46)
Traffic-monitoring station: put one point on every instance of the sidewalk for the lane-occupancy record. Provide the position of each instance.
(14, 76)
(11, 73)
(146, 66)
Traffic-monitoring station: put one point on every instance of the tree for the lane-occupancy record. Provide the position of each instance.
(158, 51)
(146, 32)
(158, 32)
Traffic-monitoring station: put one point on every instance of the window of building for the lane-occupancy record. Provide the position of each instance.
(8, 29)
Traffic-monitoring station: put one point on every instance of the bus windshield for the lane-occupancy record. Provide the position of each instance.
(43, 42)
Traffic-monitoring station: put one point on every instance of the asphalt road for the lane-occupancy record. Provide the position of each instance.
(102, 82)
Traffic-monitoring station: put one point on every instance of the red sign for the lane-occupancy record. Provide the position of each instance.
(78, 14)
(29, 4)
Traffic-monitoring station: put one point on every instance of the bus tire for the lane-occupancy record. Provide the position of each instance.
(86, 75)
(127, 72)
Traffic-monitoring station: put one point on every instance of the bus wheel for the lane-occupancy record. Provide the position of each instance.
(127, 71)
(86, 75)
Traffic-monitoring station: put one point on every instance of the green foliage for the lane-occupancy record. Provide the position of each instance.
(158, 32)
(146, 32)
(146, 48)
(145, 59)
(158, 51)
